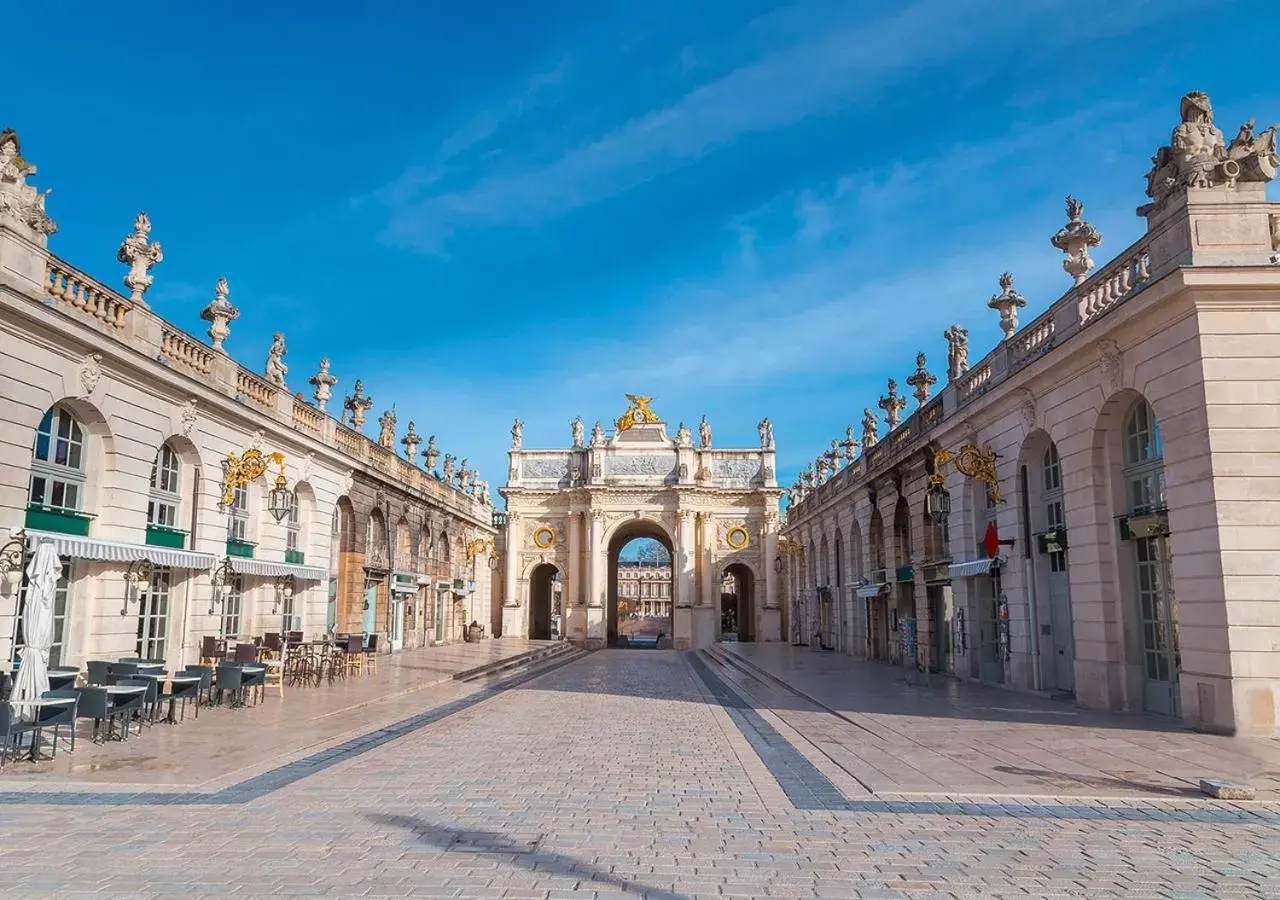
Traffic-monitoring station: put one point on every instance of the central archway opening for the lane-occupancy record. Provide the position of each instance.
(736, 608)
(546, 612)
(641, 592)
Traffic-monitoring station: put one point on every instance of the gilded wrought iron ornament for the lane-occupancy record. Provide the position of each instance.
(240, 470)
(478, 546)
(971, 462)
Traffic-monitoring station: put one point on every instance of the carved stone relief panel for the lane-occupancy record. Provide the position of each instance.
(545, 468)
(655, 465)
(736, 471)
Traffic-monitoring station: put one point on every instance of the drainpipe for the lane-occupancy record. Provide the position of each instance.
(1033, 621)
(1028, 577)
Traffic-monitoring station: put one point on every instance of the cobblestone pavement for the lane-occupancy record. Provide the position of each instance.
(623, 774)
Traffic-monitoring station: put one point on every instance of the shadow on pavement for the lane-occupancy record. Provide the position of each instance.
(517, 851)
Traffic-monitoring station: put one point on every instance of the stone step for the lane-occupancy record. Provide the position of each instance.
(529, 657)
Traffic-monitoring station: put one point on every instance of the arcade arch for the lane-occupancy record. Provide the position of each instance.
(627, 623)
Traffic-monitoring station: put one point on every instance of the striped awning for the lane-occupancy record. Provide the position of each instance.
(276, 569)
(971, 567)
(870, 590)
(78, 547)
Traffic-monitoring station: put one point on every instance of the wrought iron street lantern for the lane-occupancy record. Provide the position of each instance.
(137, 579)
(280, 499)
(938, 503)
(777, 564)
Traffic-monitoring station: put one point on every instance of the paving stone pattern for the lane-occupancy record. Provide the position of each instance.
(623, 774)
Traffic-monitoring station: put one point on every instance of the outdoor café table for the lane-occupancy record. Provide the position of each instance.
(150, 668)
(39, 704)
(172, 719)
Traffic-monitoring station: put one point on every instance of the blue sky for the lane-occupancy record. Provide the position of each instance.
(504, 209)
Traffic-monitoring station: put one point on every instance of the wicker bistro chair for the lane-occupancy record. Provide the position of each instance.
(130, 705)
(56, 716)
(355, 655)
(371, 656)
(230, 680)
(210, 653)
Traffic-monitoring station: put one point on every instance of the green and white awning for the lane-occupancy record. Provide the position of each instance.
(246, 566)
(78, 547)
(971, 567)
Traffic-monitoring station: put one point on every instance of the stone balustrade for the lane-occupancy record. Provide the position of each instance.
(1034, 340)
(77, 291)
(350, 442)
(185, 350)
(254, 388)
(1113, 283)
(974, 383)
(307, 417)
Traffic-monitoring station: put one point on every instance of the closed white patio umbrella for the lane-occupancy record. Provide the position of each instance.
(37, 623)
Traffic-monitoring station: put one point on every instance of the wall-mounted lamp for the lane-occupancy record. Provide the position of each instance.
(221, 574)
(137, 577)
(12, 555)
(285, 586)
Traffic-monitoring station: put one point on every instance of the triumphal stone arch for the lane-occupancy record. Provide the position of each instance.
(574, 508)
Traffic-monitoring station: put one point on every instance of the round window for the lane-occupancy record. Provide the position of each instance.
(544, 537)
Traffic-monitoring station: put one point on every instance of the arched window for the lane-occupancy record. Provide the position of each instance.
(166, 496)
(1143, 460)
(58, 463)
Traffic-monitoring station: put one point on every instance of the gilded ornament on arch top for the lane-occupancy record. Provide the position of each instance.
(637, 413)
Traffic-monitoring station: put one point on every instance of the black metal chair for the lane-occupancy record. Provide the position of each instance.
(204, 690)
(255, 680)
(12, 728)
(56, 716)
(130, 706)
(99, 671)
(181, 693)
(231, 680)
(95, 704)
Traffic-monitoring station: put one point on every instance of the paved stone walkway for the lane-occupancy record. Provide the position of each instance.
(896, 734)
(623, 774)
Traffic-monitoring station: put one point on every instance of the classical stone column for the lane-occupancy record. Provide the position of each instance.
(517, 621)
(683, 575)
(597, 569)
(706, 597)
(574, 587)
(770, 553)
(769, 619)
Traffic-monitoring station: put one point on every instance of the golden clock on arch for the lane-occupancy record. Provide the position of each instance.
(638, 413)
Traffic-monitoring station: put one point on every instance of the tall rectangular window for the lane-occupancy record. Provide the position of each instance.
(232, 600)
(238, 521)
(153, 615)
(292, 527)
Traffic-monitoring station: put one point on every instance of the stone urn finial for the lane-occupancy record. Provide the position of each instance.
(922, 380)
(139, 255)
(411, 440)
(323, 381)
(850, 445)
(221, 314)
(1074, 239)
(1007, 302)
(892, 405)
(432, 453)
(356, 406)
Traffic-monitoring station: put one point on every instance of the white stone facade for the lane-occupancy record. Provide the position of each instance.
(574, 509)
(1136, 432)
(132, 391)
